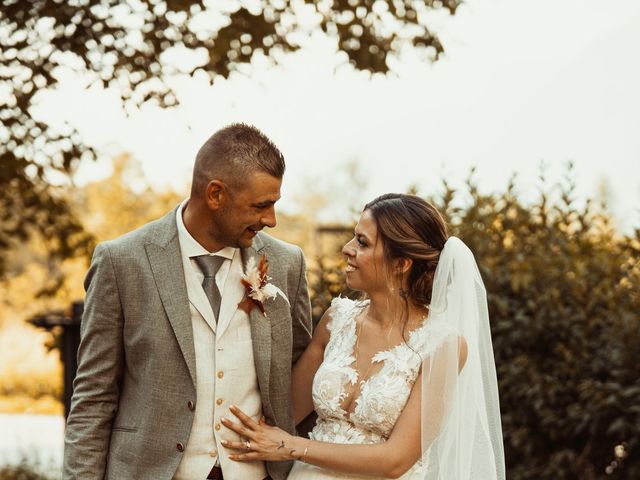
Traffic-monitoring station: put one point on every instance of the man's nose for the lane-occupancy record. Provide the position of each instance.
(269, 218)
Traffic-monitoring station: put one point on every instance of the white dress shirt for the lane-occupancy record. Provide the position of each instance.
(190, 248)
(225, 368)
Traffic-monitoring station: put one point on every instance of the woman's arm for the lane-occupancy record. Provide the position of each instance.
(305, 369)
(389, 459)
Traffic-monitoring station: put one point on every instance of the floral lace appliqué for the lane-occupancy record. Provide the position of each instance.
(382, 396)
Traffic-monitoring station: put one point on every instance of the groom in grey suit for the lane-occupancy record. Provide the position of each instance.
(169, 340)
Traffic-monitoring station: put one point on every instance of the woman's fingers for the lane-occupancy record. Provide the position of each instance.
(244, 418)
(236, 445)
(242, 454)
(238, 428)
(245, 457)
(262, 442)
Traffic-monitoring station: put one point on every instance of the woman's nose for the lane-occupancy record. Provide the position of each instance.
(348, 249)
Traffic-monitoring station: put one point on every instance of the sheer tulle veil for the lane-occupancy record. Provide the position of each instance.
(461, 429)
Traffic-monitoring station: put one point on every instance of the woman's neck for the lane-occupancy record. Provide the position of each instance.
(389, 307)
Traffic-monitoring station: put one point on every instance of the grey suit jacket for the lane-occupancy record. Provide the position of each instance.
(136, 362)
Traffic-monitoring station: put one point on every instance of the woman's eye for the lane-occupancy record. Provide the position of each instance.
(361, 243)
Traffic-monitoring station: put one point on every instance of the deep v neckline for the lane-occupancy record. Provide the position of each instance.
(378, 357)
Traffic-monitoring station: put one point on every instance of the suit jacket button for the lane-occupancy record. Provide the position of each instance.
(180, 447)
(191, 405)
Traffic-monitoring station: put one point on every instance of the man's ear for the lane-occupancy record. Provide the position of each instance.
(215, 194)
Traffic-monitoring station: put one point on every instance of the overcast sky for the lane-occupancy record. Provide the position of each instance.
(522, 82)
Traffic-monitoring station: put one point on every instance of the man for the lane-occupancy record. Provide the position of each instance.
(170, 338)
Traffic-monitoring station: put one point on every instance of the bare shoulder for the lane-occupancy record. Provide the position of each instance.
(322, 332)
(337, 316)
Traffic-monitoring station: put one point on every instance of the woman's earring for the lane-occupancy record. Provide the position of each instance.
(404, 293)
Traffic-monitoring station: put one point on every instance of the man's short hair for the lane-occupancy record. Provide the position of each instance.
(232, 154)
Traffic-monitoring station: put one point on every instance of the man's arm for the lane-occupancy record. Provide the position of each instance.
(100, 365)
(302, 328)
(300, 314)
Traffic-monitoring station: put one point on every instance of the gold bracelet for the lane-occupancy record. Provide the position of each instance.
(303, 458)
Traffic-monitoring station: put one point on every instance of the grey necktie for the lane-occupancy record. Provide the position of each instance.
(209, 266)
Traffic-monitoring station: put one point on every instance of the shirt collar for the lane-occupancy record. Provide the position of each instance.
(190, 246)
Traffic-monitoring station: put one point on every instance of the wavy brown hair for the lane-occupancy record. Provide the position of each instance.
(411, 228)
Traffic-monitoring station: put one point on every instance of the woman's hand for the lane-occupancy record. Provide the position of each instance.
(262, 441)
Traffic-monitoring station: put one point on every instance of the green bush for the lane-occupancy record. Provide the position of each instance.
(563, 297)
(23, 471)
(563, 292)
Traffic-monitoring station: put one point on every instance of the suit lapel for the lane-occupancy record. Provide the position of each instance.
(260, 329)
(166, 264)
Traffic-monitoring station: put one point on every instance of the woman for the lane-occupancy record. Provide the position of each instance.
(403, 382)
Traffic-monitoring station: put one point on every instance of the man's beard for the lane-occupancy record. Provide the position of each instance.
(220, 233)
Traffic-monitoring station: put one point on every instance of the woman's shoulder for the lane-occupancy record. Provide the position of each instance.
(342, 311)
(341, 303)
(433, 334)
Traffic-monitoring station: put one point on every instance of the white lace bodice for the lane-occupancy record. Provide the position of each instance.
(382, 396)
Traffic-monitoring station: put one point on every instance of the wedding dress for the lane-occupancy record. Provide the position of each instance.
(382, 396)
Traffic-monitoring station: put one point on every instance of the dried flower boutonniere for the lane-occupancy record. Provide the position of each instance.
(257, 286)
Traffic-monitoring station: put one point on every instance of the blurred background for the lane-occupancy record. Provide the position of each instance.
(519, 119)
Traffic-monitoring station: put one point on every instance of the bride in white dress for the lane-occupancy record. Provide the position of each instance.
(403, 381)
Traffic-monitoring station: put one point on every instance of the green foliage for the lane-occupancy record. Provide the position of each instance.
(28, 206)
(326, 272)
(564, 296)
(120, 44)
(22, 471)
(326, 283)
